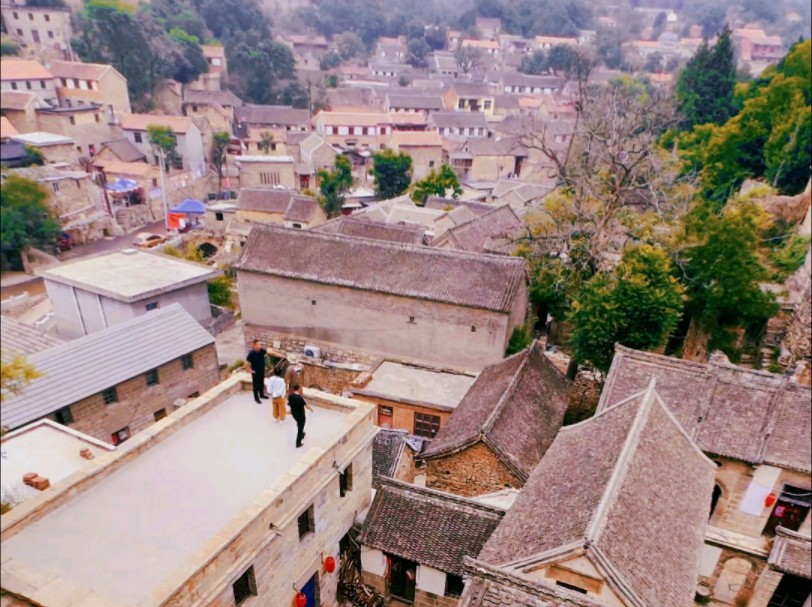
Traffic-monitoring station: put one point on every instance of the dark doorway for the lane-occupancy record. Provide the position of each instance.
(790, 510)
(402, 576)
(207, 250)
(791, 592)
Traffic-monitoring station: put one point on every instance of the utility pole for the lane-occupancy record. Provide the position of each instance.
(161, 161)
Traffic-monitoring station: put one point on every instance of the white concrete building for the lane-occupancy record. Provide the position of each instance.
(97, 292)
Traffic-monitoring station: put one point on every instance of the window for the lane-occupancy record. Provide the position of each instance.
(453, 585)
(30, 17)
(312, 302)
(72, 119)
(426, 425)
(119, 436)
(187, 361)
(28, 84)
(159, 414)
(138, 138)
(487, 104)
(345, 481)
(473, 329)
(431, 163)
(151, 306)
(298, 226)
(55, 186)
(110, 396)
(717, 493)
(16, 16)
(792, 591)
(152, 377)
(47, 17)
(97, 117)
(64, 416)
(306, 523)
(19, 33)
(194, 395)
(269, 178)
(273, 147)
(14, 84)
(218, 216)
(790, 510)
(570, 587)
(155, 183)
(50, 34)
(245, 586)
(411, 320)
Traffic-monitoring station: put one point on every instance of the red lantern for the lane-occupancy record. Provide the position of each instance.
(770, 499)
(330, 564)
(300, 600)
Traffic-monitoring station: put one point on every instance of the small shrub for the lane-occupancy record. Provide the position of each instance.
(8, 48)
(519, 340)
(220, 292)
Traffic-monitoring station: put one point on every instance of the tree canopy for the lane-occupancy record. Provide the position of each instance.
(392, 172)
(437, 183)
(334, 184)
(25, 219)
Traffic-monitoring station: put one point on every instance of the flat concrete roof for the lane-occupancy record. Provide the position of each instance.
(47, 448)
(130, 276)
(125, 535)
(417, 385)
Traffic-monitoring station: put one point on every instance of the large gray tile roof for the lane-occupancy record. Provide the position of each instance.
(791, 553)
(627, 488)
(20, 339)
(365, 228)
(91, 364)
(515, 406)
(753, 416)
(487, 282)
(427, 526)
(387, 447)
(490, 232)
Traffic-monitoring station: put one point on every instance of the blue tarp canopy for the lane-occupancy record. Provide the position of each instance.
(121, 185)
(190, 207)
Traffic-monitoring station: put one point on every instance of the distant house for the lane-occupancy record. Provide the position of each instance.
(413, 398)
(425, 149)
(480, 159)
(394, 102)
(20, 109)
(95, 293)
(267, 172)
(216, 105)
(525, 84)
(92, 84)
(273, 116)
(458, 124)
(362, 129)
(189, 138)
(469, 97)
(348, 293)
(217, 73)
(28, 76)
(54, 148)
(393, 453)
(280, 207)
(363, 227)
(118, 381)
(491, 232)
(501, 428)
(414, 540)
(488, 28)
(314, 154)
(486, 47)
(120, 149)
(46, 29)
(625, 530)
(548, 42)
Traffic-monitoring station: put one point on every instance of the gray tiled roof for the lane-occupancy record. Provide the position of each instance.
(419, 102)
(486, 233)
(223, 98)
(427, 526)
(288, 203)
(452, 119)
(91, 364)
(791, 553)
(387, 447)
(302, 208)
(364, 228)
(752, 416)
(630, 490)
(270, 115)
(440, 203)
(20, 339)
(516, 406)
(488, 282)
(125, 150)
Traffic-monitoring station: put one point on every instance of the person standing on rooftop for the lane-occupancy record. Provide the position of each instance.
(256, 360)
(276, 386)
(297, 409)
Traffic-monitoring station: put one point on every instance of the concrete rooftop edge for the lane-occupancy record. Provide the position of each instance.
(47, 589)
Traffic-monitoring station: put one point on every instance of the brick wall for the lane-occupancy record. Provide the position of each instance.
(138, 403)
(473, 471)
(403, 413)
(429, 599)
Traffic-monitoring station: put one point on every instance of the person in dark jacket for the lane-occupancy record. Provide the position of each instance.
(256, 361)
(297, 405)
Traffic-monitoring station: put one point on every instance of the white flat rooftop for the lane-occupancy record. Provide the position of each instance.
(47, 448)
(419, 385)
(130, 531)
(130, 276)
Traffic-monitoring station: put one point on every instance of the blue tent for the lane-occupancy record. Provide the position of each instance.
(190, 207)
(121, 185)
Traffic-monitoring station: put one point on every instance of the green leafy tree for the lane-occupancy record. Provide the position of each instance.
(437, 183)
(25, 219)
(220, 291)
(265, 141)
(392, 172)
(704, 90)
(723, 273)
(562, 59)
(189, 61)
(534, 64)
(638, 305)
(418, 48)
(219, 154)
(164, 140)
(334, 184)
(8, 48)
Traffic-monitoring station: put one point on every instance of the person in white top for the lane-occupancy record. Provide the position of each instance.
(276, 388)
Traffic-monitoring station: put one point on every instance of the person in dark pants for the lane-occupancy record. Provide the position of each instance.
(298, 405)
(256, 360)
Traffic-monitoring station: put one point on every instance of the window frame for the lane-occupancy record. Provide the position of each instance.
(345, 481)
(249, 579)
(187, 361)
(430, 423)
(148, 375)
(64, 416)
(110, 395)
(452, 584)
(306, 523)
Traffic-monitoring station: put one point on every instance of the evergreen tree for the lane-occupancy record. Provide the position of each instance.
(393, 174)
(334, 184)
(705, 87)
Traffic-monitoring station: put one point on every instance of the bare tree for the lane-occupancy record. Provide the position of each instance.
(468, 59)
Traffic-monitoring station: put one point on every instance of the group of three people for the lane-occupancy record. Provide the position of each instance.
(279, 387)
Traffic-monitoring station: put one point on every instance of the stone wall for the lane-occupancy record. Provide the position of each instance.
(421, 597)
(473, 471)
(797, 343)
(138, 403)
(291, 344)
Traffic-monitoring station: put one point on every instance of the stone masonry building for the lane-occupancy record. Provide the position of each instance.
(344, 294)
(502, 427)
(116, 382)
(213, 506)
(757, 427)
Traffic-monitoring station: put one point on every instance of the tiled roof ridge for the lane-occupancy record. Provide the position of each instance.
(769, 419)
(359, 219)
(441, 495)
(502, 259)
(511, 387)
(483, 571)
(614, 577)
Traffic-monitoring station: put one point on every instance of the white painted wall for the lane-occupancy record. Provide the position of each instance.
(430, 580)
(373, 561)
